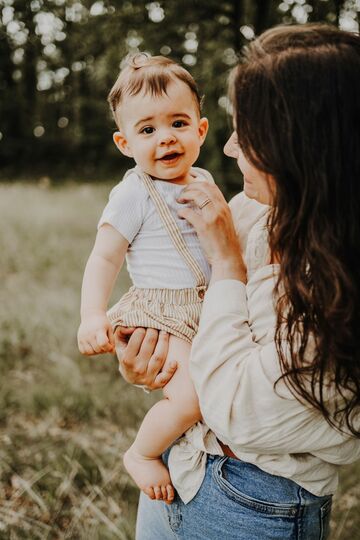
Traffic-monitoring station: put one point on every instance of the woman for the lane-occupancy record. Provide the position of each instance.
(276, 362)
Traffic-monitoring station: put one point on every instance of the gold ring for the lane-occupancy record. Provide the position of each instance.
(204, 203)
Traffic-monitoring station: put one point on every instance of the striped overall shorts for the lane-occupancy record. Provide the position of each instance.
(176, 311)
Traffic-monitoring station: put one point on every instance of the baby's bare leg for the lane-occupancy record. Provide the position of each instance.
(164, 423)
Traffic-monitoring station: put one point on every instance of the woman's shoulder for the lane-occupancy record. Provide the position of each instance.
(246, 214)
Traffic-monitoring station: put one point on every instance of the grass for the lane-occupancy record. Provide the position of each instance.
(65, 420)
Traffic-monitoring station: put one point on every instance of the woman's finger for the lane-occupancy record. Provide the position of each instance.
(201, 186)
(148, 345)
(207, 207)
(142, 359)
(159, 355)
(193, 217)
(121, 336)
(164, 376)
(159, 373)
(197, 192)
(129, 347)
(131, 366)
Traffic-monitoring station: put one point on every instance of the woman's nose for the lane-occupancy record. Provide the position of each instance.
(231, 148)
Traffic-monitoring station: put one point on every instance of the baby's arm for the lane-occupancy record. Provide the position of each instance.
(95, 333)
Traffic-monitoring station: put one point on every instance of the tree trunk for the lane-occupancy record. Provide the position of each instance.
(262, 15)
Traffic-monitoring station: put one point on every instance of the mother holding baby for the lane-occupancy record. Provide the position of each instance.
(276, 361)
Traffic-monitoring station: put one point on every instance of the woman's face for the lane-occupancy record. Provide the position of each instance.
(257, 184)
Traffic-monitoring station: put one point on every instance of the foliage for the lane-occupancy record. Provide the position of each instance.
(59, 58)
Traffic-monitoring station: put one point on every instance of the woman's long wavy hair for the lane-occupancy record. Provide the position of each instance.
(296, 98)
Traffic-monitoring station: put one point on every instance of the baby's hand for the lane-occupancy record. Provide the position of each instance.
(95, 335)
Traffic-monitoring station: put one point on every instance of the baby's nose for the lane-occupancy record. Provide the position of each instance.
(167, 137)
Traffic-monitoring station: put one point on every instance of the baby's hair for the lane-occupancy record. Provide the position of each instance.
(152, 75)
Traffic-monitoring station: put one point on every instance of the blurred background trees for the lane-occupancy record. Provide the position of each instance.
(59, 58)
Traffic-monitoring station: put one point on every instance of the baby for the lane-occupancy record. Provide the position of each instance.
(156, 106)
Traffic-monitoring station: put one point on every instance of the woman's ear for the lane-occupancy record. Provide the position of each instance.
(122, 144)
(203, 129)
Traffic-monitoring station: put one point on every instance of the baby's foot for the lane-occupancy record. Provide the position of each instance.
(150, 474)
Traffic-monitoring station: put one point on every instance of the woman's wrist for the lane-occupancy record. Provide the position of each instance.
(228, 269)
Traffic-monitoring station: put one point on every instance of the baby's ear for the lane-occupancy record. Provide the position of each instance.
(203, 129)
(122, 144)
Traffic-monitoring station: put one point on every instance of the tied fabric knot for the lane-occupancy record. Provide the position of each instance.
(187, 460)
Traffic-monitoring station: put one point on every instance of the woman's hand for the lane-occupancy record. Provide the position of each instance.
(142, 353)
(215, 229)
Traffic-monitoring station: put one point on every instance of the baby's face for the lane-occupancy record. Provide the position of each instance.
(162, 133)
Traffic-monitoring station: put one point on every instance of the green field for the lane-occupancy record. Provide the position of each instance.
(65, 420)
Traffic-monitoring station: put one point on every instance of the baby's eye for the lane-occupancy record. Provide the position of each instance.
(147, 130)
(179, 123)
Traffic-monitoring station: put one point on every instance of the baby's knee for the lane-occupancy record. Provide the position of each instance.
(189, 409)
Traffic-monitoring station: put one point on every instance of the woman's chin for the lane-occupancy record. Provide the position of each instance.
(257, 195)
(250, 191)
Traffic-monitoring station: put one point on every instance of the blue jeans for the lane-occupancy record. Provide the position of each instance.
(237, 501)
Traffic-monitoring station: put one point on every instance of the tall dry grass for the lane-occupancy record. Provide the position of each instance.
(65, 420)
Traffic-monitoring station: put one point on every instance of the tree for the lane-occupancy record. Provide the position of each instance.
(59, 58)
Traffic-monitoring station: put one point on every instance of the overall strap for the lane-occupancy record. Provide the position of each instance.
(172, 228)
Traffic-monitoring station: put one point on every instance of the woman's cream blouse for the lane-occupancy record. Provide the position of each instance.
(234, 364)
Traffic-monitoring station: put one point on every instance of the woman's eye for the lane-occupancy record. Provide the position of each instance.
(179, 123)
(147, 130)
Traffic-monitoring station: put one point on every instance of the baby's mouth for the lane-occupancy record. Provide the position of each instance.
(170, 157)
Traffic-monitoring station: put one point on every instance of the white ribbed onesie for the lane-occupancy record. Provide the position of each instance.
(165, 261)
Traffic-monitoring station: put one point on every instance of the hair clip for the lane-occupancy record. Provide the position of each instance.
(137, 60)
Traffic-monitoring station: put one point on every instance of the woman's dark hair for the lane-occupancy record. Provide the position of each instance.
(296, 98)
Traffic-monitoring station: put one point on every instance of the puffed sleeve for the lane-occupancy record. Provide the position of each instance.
(125, 210)
(246, 213)
(234, 379)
